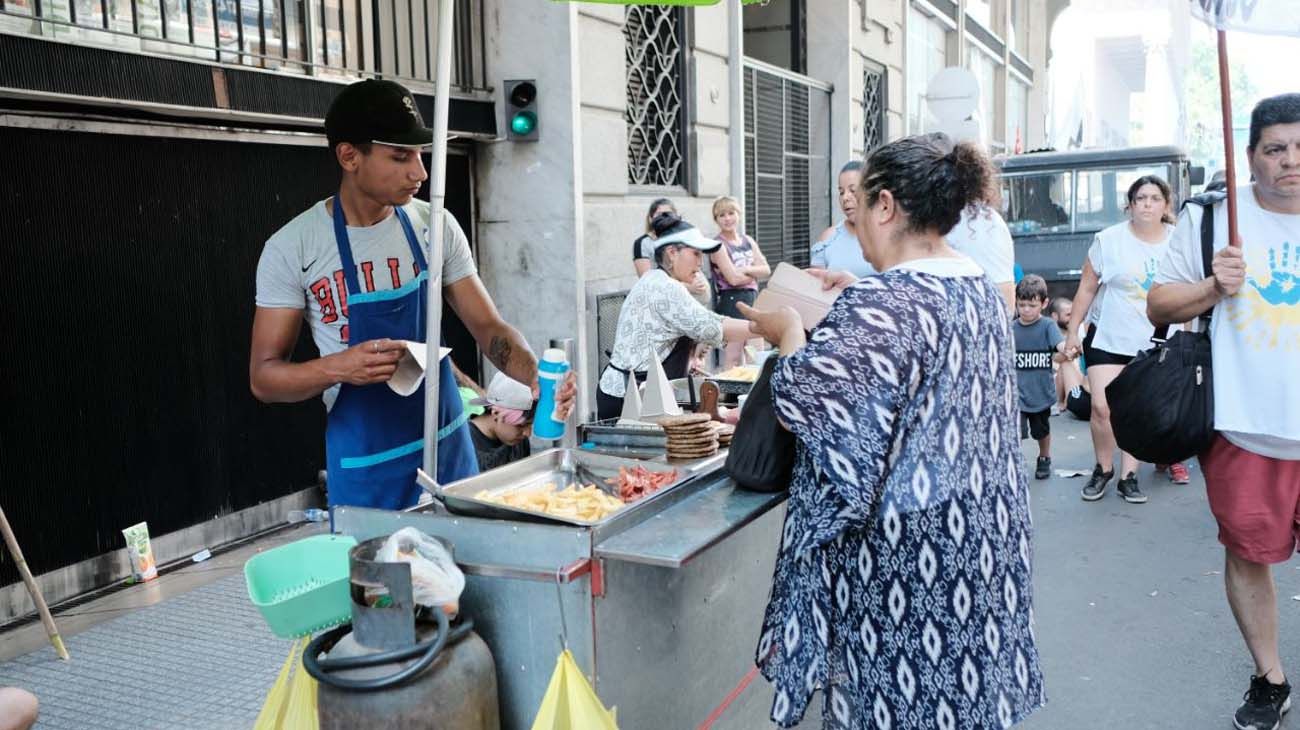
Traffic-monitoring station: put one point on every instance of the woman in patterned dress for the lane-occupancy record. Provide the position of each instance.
(902, 586)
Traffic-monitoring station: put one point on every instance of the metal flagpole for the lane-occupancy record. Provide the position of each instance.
(437, 194)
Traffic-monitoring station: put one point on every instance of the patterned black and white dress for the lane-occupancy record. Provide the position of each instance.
(902, 587)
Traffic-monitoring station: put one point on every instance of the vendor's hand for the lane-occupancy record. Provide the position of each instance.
(1229, 268)
(566, 396)
(369, 362)
(772, 324)
(699, 284)
(836, 280)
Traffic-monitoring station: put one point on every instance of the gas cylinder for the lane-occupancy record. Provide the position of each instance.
(458, 692)
(398, 665)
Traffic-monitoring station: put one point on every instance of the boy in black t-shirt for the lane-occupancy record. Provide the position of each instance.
(1038, 345)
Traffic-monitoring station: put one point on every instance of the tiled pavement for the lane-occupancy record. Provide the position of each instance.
(200, 660)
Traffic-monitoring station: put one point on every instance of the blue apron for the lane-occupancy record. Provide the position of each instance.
(374, 438)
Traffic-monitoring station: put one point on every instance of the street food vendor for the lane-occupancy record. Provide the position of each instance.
(660, 315)
(354, 266)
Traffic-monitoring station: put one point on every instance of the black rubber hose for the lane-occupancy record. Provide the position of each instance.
(426, 651)
(393, 655)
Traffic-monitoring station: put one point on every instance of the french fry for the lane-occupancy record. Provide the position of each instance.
(588, 503)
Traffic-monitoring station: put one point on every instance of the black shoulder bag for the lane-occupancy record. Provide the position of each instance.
(762, 450)
(1162, 404)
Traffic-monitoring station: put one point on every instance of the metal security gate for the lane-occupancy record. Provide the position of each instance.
(787, 161)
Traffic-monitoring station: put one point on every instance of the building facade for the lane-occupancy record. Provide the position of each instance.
(156, 144)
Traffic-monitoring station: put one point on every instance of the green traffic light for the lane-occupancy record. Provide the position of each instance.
(523, 123)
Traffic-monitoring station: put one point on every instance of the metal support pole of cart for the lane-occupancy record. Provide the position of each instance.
(437, 193)
(736, 93)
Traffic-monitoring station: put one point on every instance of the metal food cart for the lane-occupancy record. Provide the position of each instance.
(661, 603)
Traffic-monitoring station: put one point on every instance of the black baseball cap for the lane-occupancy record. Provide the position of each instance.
(375, 111)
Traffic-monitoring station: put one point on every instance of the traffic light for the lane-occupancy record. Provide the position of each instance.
(521, 110)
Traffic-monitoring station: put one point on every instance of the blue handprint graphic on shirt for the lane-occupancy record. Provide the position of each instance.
(1151, 266)
(1284, 279)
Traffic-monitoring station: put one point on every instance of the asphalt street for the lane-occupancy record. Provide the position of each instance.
(1132, 622)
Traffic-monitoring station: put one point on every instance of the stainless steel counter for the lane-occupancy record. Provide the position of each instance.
(662, 605)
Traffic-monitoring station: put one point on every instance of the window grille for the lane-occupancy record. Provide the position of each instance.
(787, 163)
(655, 59)
(875, 103)
(608, 308)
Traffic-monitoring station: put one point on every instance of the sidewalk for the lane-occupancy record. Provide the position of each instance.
(187, 650)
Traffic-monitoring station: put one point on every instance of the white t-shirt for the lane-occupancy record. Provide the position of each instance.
(1255, 335)
(1126, 266)
(985, 238)
(943, 267)
(300, 267)
(657, 312)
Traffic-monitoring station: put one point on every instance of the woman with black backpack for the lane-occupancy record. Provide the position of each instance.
(1120, 269)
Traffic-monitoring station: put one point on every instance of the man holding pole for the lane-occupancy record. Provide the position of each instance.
(353, 266)
(1252, 470)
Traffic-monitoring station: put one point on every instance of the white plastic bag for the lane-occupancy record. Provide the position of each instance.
(435, 578)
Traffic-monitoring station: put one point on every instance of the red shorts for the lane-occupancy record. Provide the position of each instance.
(1256, 501)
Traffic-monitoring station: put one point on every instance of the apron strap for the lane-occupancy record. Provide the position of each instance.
(345, 244)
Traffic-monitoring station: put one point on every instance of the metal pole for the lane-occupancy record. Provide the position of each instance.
(437, 193)
(736, 91)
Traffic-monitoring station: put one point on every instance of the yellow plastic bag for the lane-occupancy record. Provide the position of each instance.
(570, 703)
(291, 703)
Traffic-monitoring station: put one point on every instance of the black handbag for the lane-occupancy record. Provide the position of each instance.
(762, 450)
(1162, 403)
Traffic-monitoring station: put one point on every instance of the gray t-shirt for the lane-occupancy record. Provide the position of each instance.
(1035, 345)
(300, 267)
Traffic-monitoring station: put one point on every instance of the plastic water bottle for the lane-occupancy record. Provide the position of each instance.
(308, 515)
(550, 374)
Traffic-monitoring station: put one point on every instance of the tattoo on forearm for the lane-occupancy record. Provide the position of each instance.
(499, 351)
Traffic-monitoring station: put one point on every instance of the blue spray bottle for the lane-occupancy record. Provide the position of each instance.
(550, 374)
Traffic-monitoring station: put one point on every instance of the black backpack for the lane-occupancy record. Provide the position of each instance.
(1162, 404)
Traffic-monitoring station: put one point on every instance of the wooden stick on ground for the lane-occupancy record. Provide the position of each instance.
(32, 588)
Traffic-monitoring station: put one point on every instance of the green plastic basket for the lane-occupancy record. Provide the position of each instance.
(302, 587)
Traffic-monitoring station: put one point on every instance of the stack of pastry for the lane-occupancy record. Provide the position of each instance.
(725, 432)
(690, 436)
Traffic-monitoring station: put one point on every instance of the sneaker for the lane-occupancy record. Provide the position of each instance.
(1095, 489)
(1043, 468)
(1178, 474)
(1128, 489)
(1264, 705)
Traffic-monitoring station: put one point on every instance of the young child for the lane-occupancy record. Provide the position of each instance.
(501, 434)
(1068, 374)
(1038, 344)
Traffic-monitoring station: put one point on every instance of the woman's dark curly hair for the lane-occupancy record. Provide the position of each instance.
(931, 178)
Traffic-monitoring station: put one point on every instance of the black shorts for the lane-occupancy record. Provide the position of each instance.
(1035, 425)
(727, 299)
(1079, 402)
(1093, 356)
